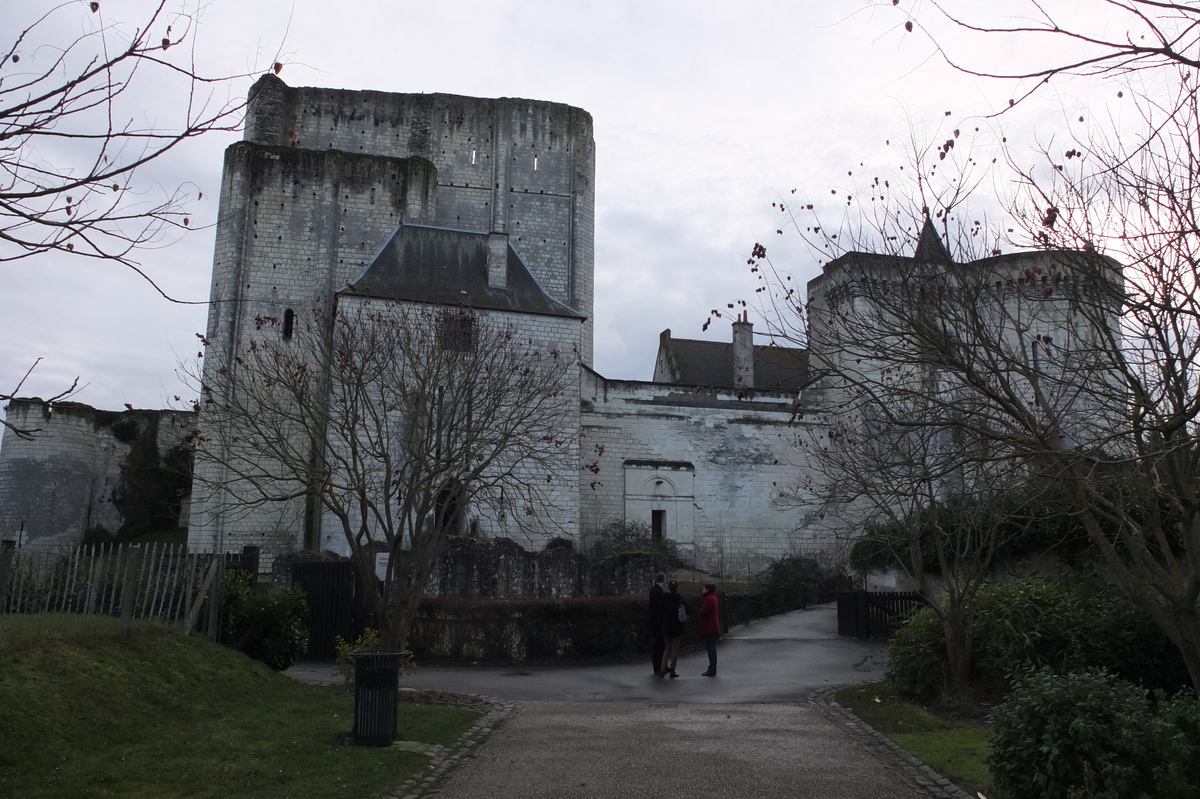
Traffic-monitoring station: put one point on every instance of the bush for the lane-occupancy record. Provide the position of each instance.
(1084, 733)
(268, 625)
(1176, 741)
(802, 579)
(623, 537)
(1063, 624)
(917, 662)
(368, 640)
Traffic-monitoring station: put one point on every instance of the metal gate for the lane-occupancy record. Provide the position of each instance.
(873, 614)
(334, 604)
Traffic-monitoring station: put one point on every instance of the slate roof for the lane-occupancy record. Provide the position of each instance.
(449, 267)
(930, 247)
(710, 363)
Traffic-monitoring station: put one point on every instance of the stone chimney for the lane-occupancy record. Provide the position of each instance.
(743, 352)
(497, 260)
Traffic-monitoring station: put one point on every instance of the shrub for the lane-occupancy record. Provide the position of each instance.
(1083, 733)
(368, 640)
(1176, 741)
(917, 662)
(1063, 624)
(622, 537)
(797, 578)
(268, 625)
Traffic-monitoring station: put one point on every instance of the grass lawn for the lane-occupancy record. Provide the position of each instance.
(953, 741)
(87, 712)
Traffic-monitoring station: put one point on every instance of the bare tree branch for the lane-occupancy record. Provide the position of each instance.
(73, 135)
(394, 420)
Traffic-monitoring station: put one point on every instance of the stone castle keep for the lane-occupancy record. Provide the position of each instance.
(448, 201)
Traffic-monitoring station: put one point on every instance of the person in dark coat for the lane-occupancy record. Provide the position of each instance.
(672, 628)
(710, 626)
(654, 623)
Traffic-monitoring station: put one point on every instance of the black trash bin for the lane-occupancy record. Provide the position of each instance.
(376, 682)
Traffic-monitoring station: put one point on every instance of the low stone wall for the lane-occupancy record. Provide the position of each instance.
(515, 631)
(502, 569)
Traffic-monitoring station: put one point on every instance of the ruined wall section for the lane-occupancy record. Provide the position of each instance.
(522, 167)
(92, 475)
(739, 453)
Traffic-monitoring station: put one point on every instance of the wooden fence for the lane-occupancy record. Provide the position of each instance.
(874, 614)
(154, 581)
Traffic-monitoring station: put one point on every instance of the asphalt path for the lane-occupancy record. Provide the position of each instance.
(781, 659)
(617, 731)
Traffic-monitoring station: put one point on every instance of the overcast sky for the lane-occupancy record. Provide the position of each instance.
(704, 113)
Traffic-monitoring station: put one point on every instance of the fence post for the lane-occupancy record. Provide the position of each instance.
(214, 598)
(8, 550)
(250, 564)
(129, 588)
(862, 614)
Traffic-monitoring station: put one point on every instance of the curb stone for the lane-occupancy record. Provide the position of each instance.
(444, 759)
(910, 770)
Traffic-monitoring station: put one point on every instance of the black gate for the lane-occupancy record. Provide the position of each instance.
(874, 614)
(333, 604)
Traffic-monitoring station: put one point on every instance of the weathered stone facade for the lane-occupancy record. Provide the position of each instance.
(335, 196)
(92, 475)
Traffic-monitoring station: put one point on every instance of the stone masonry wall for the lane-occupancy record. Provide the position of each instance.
(522, 167)
(741, 453)
(102, 475)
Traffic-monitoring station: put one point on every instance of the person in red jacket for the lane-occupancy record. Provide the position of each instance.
(710, 626)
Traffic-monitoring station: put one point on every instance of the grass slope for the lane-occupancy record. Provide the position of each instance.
(87, 712)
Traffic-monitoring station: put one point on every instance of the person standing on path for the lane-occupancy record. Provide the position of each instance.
(674, 614)
(654, 623)
(710, 626)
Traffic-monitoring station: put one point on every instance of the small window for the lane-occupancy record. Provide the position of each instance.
(658, 520)
(458, 332)
(289, 322)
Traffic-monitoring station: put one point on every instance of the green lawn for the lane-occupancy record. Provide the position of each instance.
(86, 712)
(954, 744)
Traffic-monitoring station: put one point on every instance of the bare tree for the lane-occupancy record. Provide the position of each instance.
(74, 131)
(1096, 38)
(76, 126)
(392, 420)
(888, 487)
(1123, 188)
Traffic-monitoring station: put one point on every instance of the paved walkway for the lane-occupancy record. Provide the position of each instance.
(765, 727)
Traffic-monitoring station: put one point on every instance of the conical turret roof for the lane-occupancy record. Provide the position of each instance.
(930, 248)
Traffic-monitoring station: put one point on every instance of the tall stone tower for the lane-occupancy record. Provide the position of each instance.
(324, 178)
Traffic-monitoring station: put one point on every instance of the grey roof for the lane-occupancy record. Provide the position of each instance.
(930, 248)
(449, 267)
(710, 363)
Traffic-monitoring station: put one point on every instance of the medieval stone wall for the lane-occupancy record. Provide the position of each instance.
(714, 462)
(507, 165)
(103, 475)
